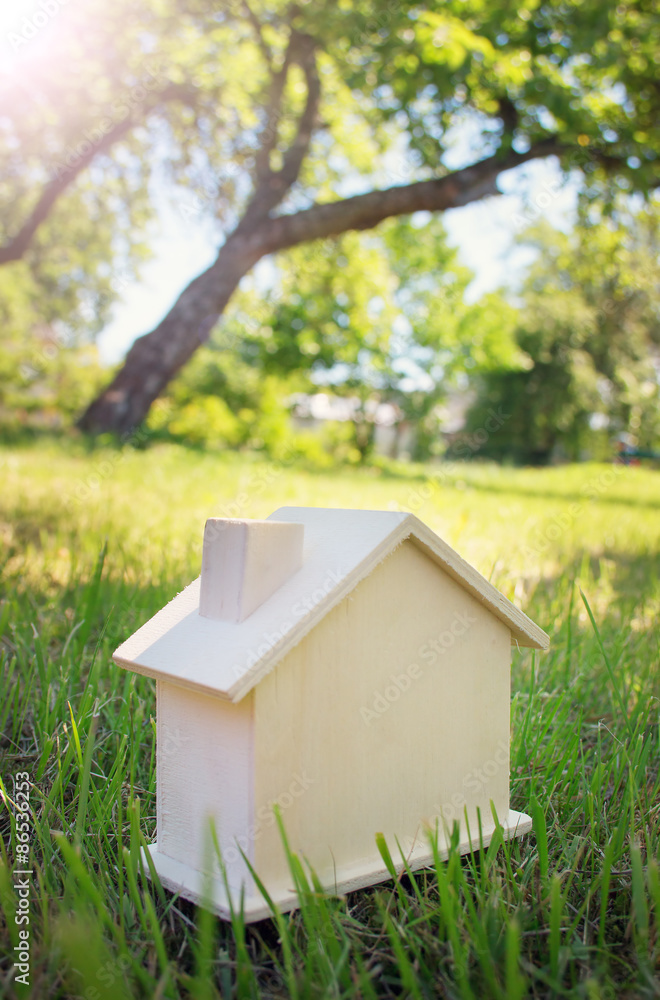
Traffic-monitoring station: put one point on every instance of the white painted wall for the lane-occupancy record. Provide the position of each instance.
(205, 769)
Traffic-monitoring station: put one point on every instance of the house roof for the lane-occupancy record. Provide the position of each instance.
(341, 548)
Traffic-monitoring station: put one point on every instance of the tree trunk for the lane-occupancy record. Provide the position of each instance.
(155, 358)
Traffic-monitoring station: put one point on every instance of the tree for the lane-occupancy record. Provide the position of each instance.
(589, 323)
(78, 116)
(47, 377)
(289, 100)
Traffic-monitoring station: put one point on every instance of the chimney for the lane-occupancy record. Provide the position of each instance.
(244, 562)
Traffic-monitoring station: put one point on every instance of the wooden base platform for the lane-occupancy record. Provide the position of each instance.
(192, 884)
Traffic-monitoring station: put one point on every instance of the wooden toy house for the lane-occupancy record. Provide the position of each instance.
(349, 667)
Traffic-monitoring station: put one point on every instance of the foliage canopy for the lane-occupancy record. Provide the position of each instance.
(278, 124)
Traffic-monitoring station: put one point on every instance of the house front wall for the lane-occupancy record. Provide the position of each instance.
(204, 772)
(392, 714)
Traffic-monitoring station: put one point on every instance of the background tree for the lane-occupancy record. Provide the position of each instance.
(263, 112)
(48, 368)
(589, 323)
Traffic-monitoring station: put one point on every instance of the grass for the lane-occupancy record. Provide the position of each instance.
(95, 541)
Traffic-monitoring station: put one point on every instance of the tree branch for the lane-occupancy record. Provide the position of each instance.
(272, 185)
(273, 115)
(67, 172)
(508, 113)
(364, 211)
(294, 156)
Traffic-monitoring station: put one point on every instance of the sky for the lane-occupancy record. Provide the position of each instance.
(25, 23)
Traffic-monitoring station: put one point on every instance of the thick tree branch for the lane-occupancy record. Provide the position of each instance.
(64, 177)
(155, 359)
(68, 169)
(364, 211)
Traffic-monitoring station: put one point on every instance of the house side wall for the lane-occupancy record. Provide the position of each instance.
(205, 767)
(392, 713)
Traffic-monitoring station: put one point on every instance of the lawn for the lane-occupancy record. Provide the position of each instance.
(94, 542)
